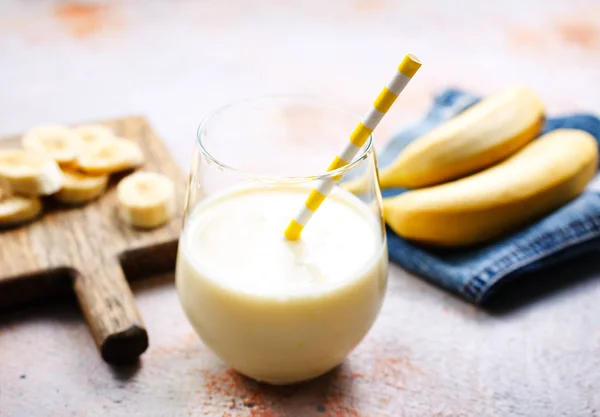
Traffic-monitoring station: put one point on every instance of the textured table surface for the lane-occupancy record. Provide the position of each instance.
(536, 352)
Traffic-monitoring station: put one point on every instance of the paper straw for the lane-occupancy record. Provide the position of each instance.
(406, 70)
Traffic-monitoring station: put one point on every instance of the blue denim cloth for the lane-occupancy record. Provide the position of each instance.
(475, 273)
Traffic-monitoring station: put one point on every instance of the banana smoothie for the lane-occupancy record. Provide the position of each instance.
(275, 310)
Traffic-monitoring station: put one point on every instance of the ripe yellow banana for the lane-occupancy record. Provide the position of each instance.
(30, 173)
(79, 188)
(108, 156)
(544, 175)
(146, 199)
(17, 209)
(481, 136)
(58, 142)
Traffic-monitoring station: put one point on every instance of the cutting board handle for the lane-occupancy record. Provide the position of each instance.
(110, 311)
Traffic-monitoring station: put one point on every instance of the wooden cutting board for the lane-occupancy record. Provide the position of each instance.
(88, 249)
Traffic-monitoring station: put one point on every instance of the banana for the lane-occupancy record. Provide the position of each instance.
(59, 142)
(80, 188)
(30, 173)
(91, 134)
(146, 199)
(4, 191)
(358, 185)
(17, 209)
(543, 176)
(4, 188)
(108, 156)
(479, 137)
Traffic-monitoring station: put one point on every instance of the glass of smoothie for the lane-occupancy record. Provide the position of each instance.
(275, 310)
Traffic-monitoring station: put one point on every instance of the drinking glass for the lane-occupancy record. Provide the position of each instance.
(274, 310)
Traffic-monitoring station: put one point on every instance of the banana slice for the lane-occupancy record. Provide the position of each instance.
(80, 188)
(92, 134)
(110, 156)
(146, 199)
(17, 209)
(4, 188)
(59, 142)
(30, 173)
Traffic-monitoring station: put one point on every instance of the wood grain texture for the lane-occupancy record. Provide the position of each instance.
(84, 246)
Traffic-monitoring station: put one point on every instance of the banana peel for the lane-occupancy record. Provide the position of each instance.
(479, 137)
(543, 176)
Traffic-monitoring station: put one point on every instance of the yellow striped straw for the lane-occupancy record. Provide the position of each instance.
(406, 70)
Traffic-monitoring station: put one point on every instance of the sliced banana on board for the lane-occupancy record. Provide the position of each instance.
(18, 209)
(146, 199)
(92, 134)
(110, 156)
(4, 188)
(4, 191)
(59, 142)
(80, 188)
(30, 173)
